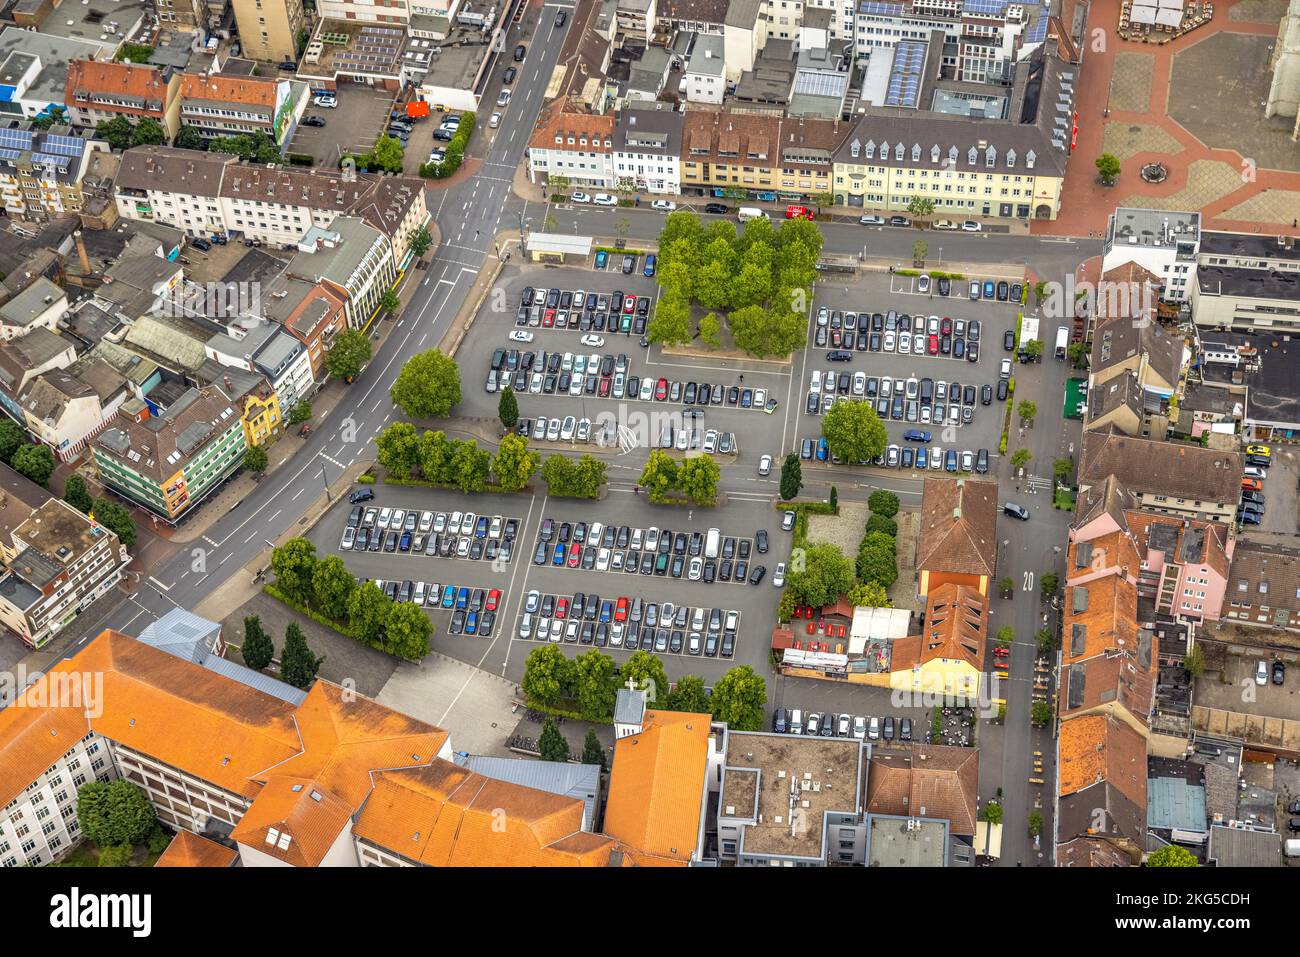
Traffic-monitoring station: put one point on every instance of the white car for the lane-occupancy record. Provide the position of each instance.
(696, 570)
(325, 101)
(859, 383)
(535, 384)
(859, 727)
(602, 560)
(580, 198)
(664, 205)
(923, 283)
(647, 389)
(778, 576)
(1261, 673)
(553, 430)
(710, 441)
(651, 538)
(604, 199)
(904, 344)
(593, 340)
(521, 335)
(764, 463)
(504, 98)
(349, 536)
(567, 429)
(494, 121)
(971, 226)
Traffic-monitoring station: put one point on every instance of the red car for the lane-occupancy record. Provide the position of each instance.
(945, 327)
(932, 347)
(1001, 652)
(493, 599)
(629, 305)
(604, 386)
(620, 610)
(1252, 485)
(661, 390)
(575, 555)
(562, 609)
(548, 318)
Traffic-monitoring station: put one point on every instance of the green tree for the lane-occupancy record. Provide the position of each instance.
(148, 132)
(1171, 855)
(387, 155)
(920, 249)
(299, 412)
(596, 685)
(1194, 661)
(822, 577)
(332, 586)
(1006, 635)
(1034, 349)
(76, 494)
(835, 500)
(294, 564)
(515, 463)
(116, 855)
(698, 479)
(117, 520)
(569, 479)
(398, 448)
(593, 752)
(791, 477)
(877, 565)
(1006, 585)
(349, 354)
(659, 477)
(255, 459)
(1045, 639)
(298, 665)
(420, 242)
(257, 650)
(548, 675)
(920, 207)
(1041, 714)
(1020, 458)
(390, 302)
(114, 812)
(508, 408)
(739, 698)
(767, 332)
(188, 138)
(558, 182)
(645, 670)
(868, 595)
(882, 523)
(1027, 410)
(116, 132)
(711, 331)
(428, 386)
(671, 323)
(435, 455)
(12, 438)
(56, 116)
(368, 609)
(470, 466)
(34, 461)
(1050, 582)
(1108, 168)
(1077, 353)
(1061, 469)
(688, 695)
(883, 502)
(992, 813)
(406, 631)
(853, 431)
(551, 744)
(135, 52)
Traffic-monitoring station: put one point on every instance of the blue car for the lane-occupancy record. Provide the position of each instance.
(950, 461)
(462, 598)
(988, 288)
(449, 596)
(822, 449)
(558, 557)
(602, 259)
(471, 623)
(916, 435)
(922, 457)
(606, 611)
(404, 544)
(650, 264)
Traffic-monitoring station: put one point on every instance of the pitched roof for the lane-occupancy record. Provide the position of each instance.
(187, 849)
(720, 137)
(1264, 574)
(923, 780)
(244, 90)
(1184, 541)
(565, 119)
(129, 80)
(658, 783)
(956, 624)
(1102, 768)
(958, 532)
(1119, 339)
(295, 820)
(1174, 470)
(1091, 852)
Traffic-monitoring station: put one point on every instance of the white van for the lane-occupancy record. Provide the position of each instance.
(711, 543)
(815, 385)
(746, 213)
(796, 721)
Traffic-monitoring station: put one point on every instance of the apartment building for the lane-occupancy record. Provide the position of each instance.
(41, 172)
(252, 394)
(220, 105)
(1263, 587)
(168, 462)
(268, 349)
(351, 258)
(957, 541)
(268, 29)
(1247, 283)
(40, 306)
(66, 408)
(729, 151)
(705, 76)
(1163, 242)
(571, 143)
(99, 90)
(25, 358)
(311, 312)
(1256, 377)
(62, 561)
(1175, 478)
(647, 147)
(35, 67)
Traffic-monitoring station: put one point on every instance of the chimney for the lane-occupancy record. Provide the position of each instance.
(81, 253)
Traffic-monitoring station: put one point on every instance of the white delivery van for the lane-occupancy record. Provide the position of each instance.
(711, 543)
(746, 213)
(1291, 848)
(796, 721)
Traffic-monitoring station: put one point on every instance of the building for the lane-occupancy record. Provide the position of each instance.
(267, 349)
(576, 145)
(1247, 283)
(101, 90)
(1264, 586)
(262, 414)
(947, 657)
(34, 67)
(170, 460)
(1256, 372)
(313, 313)
(1175, 478)
(706, 71)
(957, 541)
(269, 31)
(216, 104)
(1163, 242)
(730, 151)
(1153, 355)
(647, 147)
(40, 306)
(1102, 784)
(57, 563)
(107, 21)
(66, 408)
(926, 781)
(23, 359)
(351, 258)
(41, 172)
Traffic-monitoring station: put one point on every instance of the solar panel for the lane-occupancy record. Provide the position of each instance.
(10, 154)
(984, 6)
(17, 139)
(65, 145)
(880, 9)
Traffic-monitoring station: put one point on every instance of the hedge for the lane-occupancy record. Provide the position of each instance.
(299, 159)
(455, 149)
(365, 480)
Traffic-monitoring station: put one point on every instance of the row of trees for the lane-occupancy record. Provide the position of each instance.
(458, 463)
(759, 279)
(327, 588)
(298, 665)
(588, 686)
(666, 480)
(574, 478)
(36, 462)
(878, 551)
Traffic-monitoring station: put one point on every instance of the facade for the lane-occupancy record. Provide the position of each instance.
(250, 392)
(728, 151)
(706, 71)
(947, 657)
(1163, 242)
(168, 462)
(1247, 283)
(269, 30)
(220, 105)
(311, 312)
(351, 258)
(98, 90)
(574, 144)
(647, 144)
(65, 408)
(1263, 586)
(267, 349)
(41, 173)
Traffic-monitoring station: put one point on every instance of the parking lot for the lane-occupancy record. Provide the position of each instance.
(495, 590)
(352, 126)
(1281, 513)
(1237, 688)
(832, 701)
(922, 362)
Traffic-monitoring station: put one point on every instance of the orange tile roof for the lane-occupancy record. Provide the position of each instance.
(562, 121)
(442, 815)
(926, 781)
(109, 76)
(309, 815)
(657, 786)
(958, 531)
(190, 850)
(1097, 748)
(248, 90)
(34, 733)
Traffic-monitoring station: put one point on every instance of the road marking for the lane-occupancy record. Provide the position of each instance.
(160, 584)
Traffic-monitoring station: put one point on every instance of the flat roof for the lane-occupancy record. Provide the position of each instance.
(1153, 228)
(1254, 245)
(1252, 284)
(906, 841)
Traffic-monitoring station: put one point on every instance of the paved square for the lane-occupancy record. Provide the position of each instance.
(1130, 84)
(1123, 140)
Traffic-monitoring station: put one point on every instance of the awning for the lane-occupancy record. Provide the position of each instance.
(417, 109)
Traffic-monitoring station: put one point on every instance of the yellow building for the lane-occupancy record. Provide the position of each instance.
(259, 404)
(759, 153)
(946, 658)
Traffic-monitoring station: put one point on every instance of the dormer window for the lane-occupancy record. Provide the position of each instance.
(1030, 157)
(898, 152)
(559, 140)
(916, 152)
(972, 156)
(871, 149)
(570, 140)
(1011, 158)
(952, 156)
(990, 157)
(934, 154)
(855, 149)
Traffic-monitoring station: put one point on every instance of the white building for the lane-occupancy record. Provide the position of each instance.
(351, 256)
(575, 145)
(647, 146)
(705, 77)
(1164, 242)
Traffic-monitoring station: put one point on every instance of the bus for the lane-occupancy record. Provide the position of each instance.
(746, 213)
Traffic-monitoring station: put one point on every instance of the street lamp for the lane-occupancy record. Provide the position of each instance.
(325, 481)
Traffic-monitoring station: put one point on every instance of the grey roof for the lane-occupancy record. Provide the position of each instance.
(1255, 284)
(254, 679)
(17, 592)
(708, 56)
(1238, 847)
(645, 128)
(335, 262)
(743, 13)
(1154, 228)
(279, 353)
(1252, 245)
(183, 634)
(1174, 803)
(580, 781)
(1270, 373)
(629, 706)
(53, 52)
(24, 308)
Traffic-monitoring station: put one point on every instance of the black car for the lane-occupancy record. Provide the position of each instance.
(520, 52)
(1004, 290)
(717, 208)
(561, 17)
(757, 574)
(361, 495)
(905, 729)
(509, 76)
(1002, 390)
(944, 285)
(1015, 511)
(288, 65)
(1009, 340)
(1279, 673)
(839, 355)
(313, 121)
(760, 541)
(202, 244)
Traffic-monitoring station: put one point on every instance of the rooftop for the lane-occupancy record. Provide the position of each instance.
(1249, 245)
(1253, 283)
(1177, 471)
(162, 445)
(927, 781)
(32, 303)
(895, 841)
(958, 532)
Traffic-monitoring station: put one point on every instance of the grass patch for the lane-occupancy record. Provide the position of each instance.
(1064, 499)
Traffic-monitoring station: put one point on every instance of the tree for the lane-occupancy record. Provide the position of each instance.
(332, 586)
(1041, 714)
(300, 411)
(470, 466)
(114, 812)
(428, 386)
(1035, 823)
(1027, 410)
(258, 650)
(595, 685)
(350, 352)
(835, 500)
(659, 477)
(515, 463)
(698, 479)
(294, 564)
(508, 408)
(386, 155)
(920, 206)
(255, 459)
(791, 477)
(1061, 469)
(688, 695)
(558, 182)
(920, 249)
(868, 595)
(548, 675)
(992, 813)
(435, 456)
(368, 608)
(148, 132)
(34, 461)
(1194, 661)
(739, 698)
(775, 331)
(390, 302)
(76, 494)
(1171, 855)
(55, 116)
(420, 242)
(1006, 634)
(298, 665)
(853, 431)
(116, 855)
(1050, 582)
(883, 502)
(398, 448)
(569, 479)
(671, 323)
(1006, 585)
(877, 565)
(1108, 168)
(711, 331)
(117, 520)
(188, 138)
(12, 438)
(116, 132)
(1045, 639)
(645, 670)
(1020, 458)
(406, 631)
(593, 752)
(825, 576)
(1033, 349)
(551, 744)
(1077, 353)
(883, 523)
